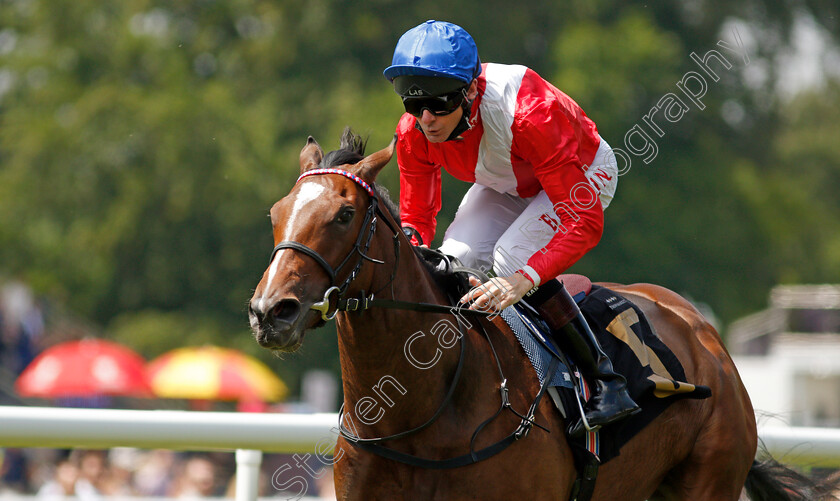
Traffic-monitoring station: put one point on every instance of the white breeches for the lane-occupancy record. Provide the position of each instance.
(502, 231)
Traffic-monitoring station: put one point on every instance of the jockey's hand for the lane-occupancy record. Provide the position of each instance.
(497, 293)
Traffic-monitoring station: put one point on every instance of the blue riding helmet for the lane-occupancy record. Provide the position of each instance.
(436, 49)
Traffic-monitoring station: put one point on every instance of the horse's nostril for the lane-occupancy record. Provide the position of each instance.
(255, 312)
(286, 309)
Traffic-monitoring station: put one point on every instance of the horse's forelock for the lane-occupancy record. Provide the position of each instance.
(352, 142)
(351, 150)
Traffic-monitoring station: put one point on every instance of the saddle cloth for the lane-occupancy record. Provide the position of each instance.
(655, 377)
(532, 339)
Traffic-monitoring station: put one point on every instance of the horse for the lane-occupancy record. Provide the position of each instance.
(421, 383)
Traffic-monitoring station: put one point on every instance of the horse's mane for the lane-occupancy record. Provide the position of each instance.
(352, 150)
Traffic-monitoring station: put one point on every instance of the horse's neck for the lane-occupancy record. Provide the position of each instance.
(374, 338)
(397, 364)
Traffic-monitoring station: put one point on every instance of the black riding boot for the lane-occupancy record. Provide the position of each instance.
(611, 402)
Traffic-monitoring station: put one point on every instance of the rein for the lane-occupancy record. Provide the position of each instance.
(361, 247)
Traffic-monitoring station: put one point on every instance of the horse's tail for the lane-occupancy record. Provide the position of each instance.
(769, 480)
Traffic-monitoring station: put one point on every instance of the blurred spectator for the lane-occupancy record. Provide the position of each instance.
(197, 480)
(122, 473)
(93, 471)
(21, 326)
(154, 476)
(13, 470)
(124, 462)
(63, 483)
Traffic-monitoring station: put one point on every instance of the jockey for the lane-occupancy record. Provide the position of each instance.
(542, 178)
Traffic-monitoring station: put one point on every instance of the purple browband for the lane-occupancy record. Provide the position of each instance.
(340, 172)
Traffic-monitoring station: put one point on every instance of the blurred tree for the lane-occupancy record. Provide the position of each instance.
(795, 198)
(142, 143)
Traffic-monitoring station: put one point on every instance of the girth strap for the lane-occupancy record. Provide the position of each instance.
(473, 456)
(433, 464)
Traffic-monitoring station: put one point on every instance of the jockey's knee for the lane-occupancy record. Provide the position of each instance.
(465, 254)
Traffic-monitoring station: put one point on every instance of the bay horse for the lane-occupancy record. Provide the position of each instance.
(428, 388)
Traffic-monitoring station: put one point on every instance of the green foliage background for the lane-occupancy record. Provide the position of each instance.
(143, 142)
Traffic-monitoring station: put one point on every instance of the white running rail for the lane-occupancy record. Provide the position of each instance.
(248, 434)
(251, 434)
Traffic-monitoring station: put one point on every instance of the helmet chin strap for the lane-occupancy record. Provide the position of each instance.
(464, 123)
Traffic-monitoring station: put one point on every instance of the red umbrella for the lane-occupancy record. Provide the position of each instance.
(84, 368)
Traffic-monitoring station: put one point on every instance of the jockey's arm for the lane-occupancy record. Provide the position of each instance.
(549, 143)
(420, 199)
(545, 143)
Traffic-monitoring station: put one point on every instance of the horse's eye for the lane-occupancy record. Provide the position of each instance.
(345, 216)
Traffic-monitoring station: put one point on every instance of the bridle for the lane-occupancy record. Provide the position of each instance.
(361, 247)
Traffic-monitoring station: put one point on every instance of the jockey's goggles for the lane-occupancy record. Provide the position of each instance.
(437, 105)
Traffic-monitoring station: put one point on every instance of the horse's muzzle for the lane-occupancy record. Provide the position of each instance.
(277, 325)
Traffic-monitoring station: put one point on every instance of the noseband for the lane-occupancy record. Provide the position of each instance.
(361, 246)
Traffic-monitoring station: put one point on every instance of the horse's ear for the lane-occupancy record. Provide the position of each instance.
(370, 166)
(311, 155)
